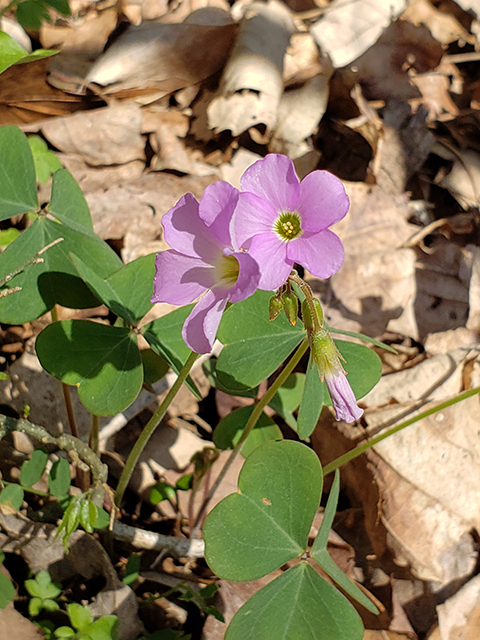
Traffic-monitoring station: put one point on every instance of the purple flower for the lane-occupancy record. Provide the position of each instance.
(204, 257)
(342, 396)
(327, 357)
(281, 220)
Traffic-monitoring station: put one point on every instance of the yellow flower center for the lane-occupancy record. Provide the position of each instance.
(288, 225)
(227, 271)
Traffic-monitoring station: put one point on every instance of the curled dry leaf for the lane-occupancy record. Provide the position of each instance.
(163, 56)
(443, 26)
(459, 616)
(383, 70)
(348, 29)
(299, 113)
(252, 84)
(302, 107)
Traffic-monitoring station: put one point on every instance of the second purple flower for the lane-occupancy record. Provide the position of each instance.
(204, 259)
(281, 220)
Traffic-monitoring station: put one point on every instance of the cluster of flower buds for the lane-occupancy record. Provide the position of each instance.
(324, 351)
(287, 300)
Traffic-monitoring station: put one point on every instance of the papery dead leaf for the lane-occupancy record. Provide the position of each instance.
(87, 35)
(459, 616)
(434, 87)
(443, 26)
(348, 29)
(383, 70)
(469, 4)
(101, 137)
(377, 280)
(428, 476)
(19, 627)
(463, 180)
(299, 113)
(252, 85)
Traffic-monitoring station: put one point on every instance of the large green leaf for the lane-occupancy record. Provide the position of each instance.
(56, 279)
(230, 429)
(18, 187)
(103, 361)
(164, 335)
(128, 291)
(68, 203)
(265, 524)
(288, 397)
(298, 605)
(255, 347)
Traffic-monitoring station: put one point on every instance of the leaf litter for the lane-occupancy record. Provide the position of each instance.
(385, 95)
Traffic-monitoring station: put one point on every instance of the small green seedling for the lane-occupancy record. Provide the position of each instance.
(43, 592)
(85, 628)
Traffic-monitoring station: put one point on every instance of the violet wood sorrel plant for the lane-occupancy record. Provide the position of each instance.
(236, 250)
(210, 254)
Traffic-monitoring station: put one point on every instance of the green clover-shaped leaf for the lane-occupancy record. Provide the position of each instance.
(265, 524)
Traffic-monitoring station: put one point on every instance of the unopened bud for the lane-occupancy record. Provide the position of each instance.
(290, 306)
(325, 354)
(275, 306)
(307, 316)
(319, 310)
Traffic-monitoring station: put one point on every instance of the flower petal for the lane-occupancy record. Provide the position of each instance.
(253, 215)
(274, 179)
(180, 279)
(321, 253)
(248, 277)
(323, 201)
(271, 255)
(343, 399)
(200, 328)
(186, 232)
(216, 210)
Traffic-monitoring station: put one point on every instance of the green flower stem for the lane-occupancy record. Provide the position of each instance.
(150, 427)
(307, 292)
(354, 453)
(252, 421)
(93, 439)
(66, 392)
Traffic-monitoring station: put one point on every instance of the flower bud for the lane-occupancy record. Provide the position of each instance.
(325, 353)
(319, 310)
(327, 358)
(307, 316)
(275, 306)
(290, 306)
